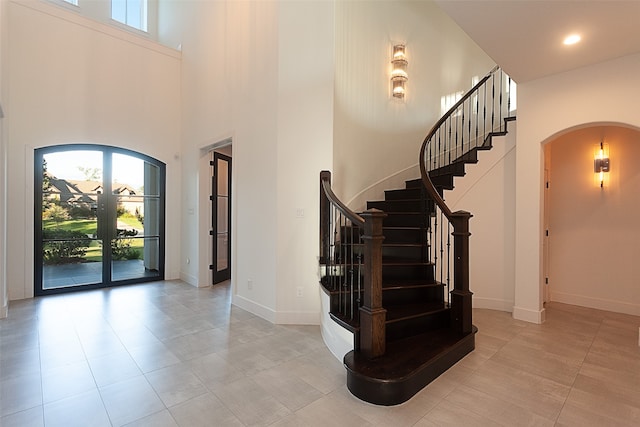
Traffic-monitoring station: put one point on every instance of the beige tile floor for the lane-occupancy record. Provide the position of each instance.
(168, 354)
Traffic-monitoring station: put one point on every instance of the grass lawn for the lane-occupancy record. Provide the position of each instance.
(85, 226)
(90, 227)
(131, 221)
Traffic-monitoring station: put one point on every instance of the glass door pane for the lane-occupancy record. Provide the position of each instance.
(72, 188)
(135, 242)
(221, 221)
(99, 218)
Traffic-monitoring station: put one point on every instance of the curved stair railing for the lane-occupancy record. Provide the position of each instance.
(455, 140)
(351, 243)
(351, 254)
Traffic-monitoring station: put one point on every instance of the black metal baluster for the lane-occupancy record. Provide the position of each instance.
(448, 259)
(351, 270)
(478, 116)
(509, 96)
(500, 117)
(450, 135)
(441, 246)
(469, 103)
(343, 273)
(359, 300)
(493, 101)
(462, 130)
(332, 249)
(339, 254)
(484, 113)
(435, 235)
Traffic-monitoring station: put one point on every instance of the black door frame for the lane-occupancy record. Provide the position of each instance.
(225, 274)
(104, 203)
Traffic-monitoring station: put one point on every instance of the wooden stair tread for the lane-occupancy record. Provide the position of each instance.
(409, 284)
(394, 244)
(403, 356)
(409, 311)
(398, 227)
(407, 366)
(399, 262)
(403, 213)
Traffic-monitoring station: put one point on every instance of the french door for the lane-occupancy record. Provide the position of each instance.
(99, 218)
(221, 217)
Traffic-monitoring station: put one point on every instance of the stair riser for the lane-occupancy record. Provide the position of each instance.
(414, 183)
(411, 295)
(417, 325)
(443, 181)
(395, 205)
(391, 273)
(407, 272)
(403, 194)
(398, 235)
(454, 169)
(413, 253)
(403, 220)
(403, 234)
(391, 253)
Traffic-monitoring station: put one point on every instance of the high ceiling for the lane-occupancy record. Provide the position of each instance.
(525, 37)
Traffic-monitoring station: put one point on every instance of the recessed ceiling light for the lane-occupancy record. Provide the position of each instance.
(572, 39)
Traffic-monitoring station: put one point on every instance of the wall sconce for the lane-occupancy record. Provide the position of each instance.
(601, 161)
(399, 75)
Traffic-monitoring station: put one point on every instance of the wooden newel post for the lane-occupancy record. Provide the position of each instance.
(325, 214)
(372, 315)
(461, 314)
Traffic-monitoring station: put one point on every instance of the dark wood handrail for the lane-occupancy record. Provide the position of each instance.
(325, 178)
(369, 315)
(431, 189)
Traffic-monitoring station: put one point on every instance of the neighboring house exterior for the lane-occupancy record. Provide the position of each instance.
(85, 193)
(298, 87)
(70, 191)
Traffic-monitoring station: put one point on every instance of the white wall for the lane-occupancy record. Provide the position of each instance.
(305, 141)
(376, 135)
(73, 80)
(594, 238)
(605, 92)
(229, 84)
(4, 297)
(260, 73)
(488, 192)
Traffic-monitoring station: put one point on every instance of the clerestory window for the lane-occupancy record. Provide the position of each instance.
(130, 12)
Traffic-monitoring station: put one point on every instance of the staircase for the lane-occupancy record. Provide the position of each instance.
(398, 274)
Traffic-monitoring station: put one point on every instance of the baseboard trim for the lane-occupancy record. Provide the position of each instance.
(492, 304)
(188, 278)
(172, 275)
(254, 308)
(597, 303)
(532, 316)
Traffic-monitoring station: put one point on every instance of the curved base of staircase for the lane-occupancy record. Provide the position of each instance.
(407, 366)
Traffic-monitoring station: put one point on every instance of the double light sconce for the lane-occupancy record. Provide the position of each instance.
(399, 75)
(601, 162)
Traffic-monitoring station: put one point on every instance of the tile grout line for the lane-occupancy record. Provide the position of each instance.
(578, 371)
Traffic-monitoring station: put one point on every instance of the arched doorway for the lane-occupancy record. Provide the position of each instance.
(99, 218)
(591, 232)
